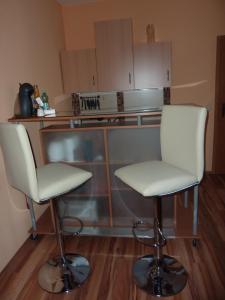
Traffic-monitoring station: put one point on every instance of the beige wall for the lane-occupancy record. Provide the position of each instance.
(31, 35)
(191, 25)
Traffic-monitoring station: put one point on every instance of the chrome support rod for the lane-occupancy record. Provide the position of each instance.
(59, 235)
(195, 211)
(159, 275)
(157, 223)
(186, 199)
(66, 271)
(32, 215)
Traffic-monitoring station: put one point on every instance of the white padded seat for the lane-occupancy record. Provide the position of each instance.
(182, 149)
(39, 184)
(56, 178)
(151, 178)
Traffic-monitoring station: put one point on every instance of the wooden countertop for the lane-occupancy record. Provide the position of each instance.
(66, 116)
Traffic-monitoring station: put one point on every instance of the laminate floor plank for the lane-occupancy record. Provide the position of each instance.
(112, 260)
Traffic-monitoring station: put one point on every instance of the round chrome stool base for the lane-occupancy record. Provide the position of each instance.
(165, 279)
(58, 275)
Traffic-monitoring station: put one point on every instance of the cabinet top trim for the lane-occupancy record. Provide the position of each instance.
(65, 116)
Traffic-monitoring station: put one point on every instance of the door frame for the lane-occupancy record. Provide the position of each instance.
(219, 103)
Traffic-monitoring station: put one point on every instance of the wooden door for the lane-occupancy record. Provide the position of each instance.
(79, 70)
(152, 65)
(114, 51)
(219, 120)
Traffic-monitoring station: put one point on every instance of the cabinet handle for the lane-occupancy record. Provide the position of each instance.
(93, 80)
(168, 75)
(129, 77)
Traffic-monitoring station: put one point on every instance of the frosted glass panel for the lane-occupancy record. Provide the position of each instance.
(128, 206)
(97, 184)
(133, 145)
(90, 210)
(74, 146)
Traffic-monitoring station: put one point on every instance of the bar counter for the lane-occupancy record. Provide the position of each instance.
(102, 143)
(68, 116)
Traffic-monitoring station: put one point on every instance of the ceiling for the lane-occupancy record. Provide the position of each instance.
(75, 1)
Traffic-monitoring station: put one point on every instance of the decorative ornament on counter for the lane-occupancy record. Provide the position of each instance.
(120, 105)
(35, 103)
(120, 101)
(32, 103)
(44, 98)
(26, 91)
(76, 104)
(44, 110)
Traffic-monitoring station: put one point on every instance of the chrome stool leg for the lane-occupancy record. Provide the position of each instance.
(159, 275)
(65, 272)
(33, 235)
(195, 241)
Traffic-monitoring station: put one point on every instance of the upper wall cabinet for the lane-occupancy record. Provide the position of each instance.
(152, 65)
(79, 70)
(114, 51)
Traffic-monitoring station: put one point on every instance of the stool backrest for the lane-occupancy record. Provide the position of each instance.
(18, 157)
(182, 136)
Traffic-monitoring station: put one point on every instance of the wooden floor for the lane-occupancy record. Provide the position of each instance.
(112, 259)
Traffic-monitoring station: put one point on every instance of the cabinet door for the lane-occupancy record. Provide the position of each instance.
(84, 149)
(79, 70)
(114, 51)
(69, 71)
(152, 65)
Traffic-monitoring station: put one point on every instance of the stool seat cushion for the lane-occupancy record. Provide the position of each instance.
(57, 178)
(155, 178)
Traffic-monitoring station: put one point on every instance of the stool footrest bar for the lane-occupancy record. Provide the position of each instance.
(140, 224)
(79, 221)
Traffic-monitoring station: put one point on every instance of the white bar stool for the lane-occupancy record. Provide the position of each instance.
(182, 148)
(67, 271)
